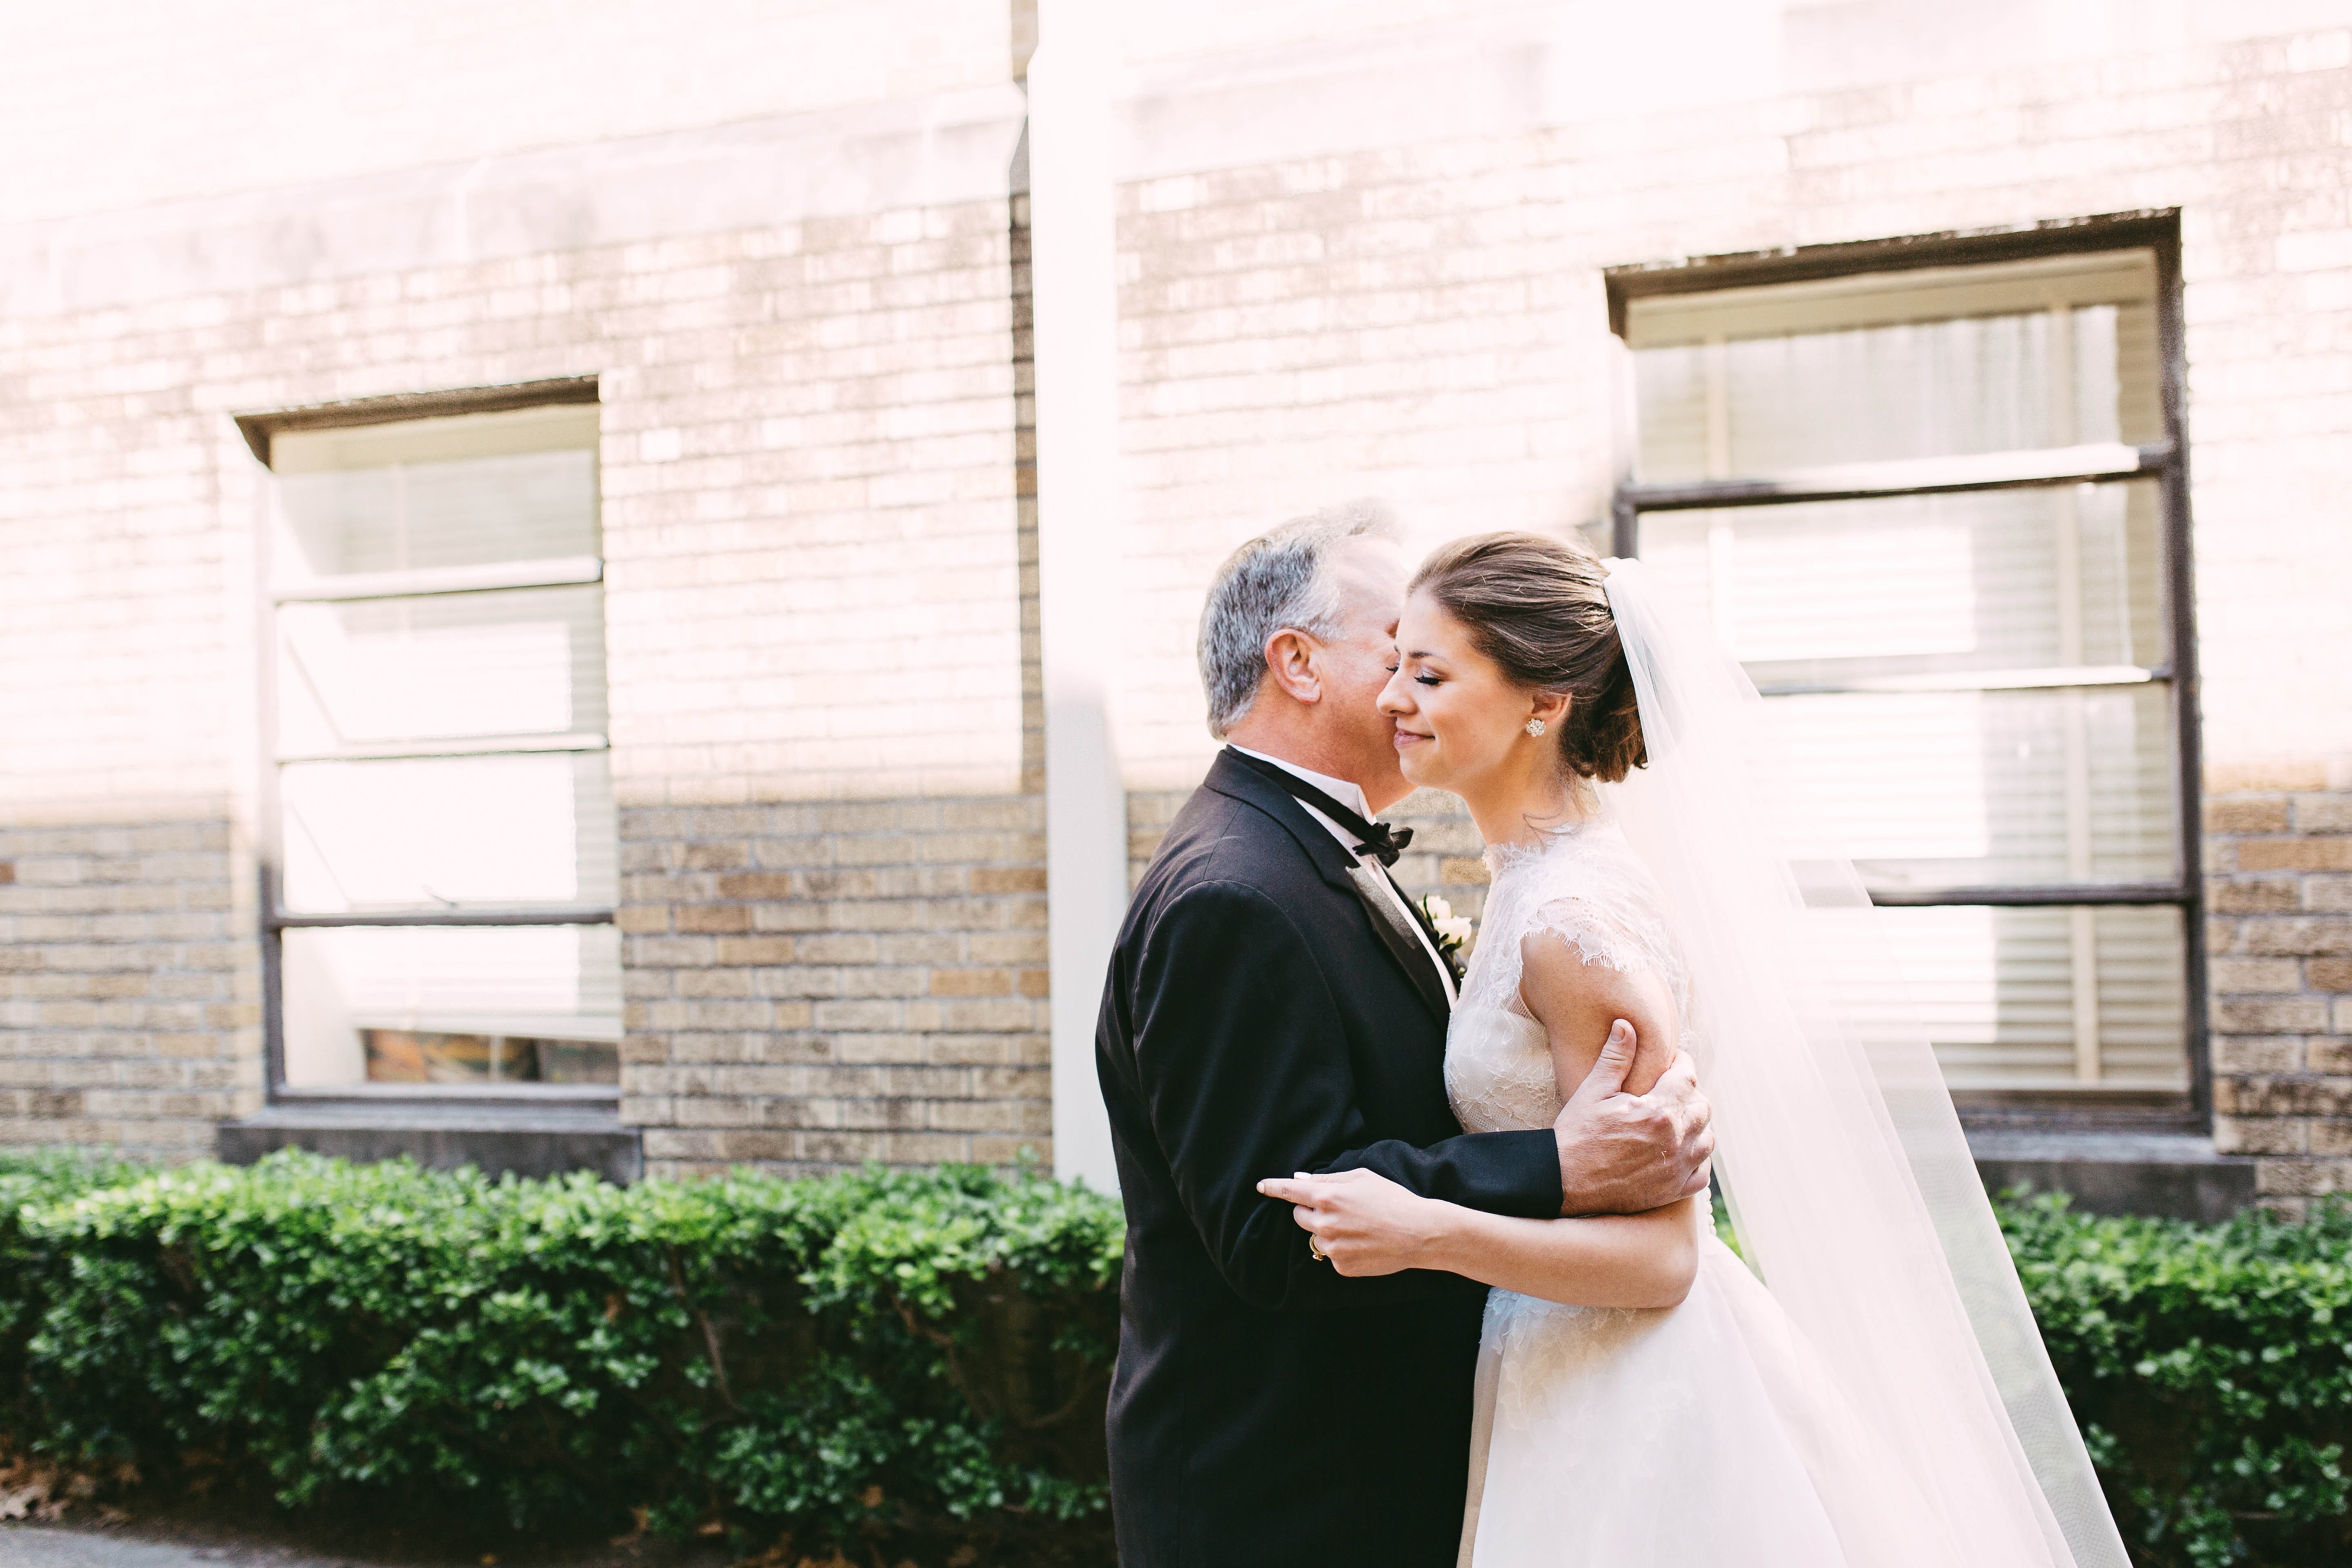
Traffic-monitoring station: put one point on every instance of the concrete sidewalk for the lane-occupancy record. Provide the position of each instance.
(154, 1546)
(43, 1546)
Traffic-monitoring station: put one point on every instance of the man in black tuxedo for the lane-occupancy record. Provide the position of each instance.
(1274, 1005)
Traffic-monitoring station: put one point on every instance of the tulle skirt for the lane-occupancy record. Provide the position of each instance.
(1704, 1434)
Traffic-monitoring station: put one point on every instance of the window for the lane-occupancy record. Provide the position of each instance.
(1936, 512)
(443, 847)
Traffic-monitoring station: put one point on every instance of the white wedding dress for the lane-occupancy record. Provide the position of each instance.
(1698, 1436)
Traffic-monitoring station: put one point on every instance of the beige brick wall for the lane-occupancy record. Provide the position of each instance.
(810, 510)
(145, 100)
(822, 727)
(129, 965)
(816, 984)
(1427, 323)
(130, 987)
(833, 825)
(2279, 933)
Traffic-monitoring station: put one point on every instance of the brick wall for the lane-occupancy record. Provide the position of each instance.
(130, 1008)
(820, 984)
(150, 99)
(818, 600)
(2279, 891)
(1428, 321)
(833, 830)
(129, 964)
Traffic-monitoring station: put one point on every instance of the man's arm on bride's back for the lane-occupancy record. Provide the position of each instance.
(1242, 1056)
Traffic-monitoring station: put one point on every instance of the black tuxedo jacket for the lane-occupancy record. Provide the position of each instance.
(1258, 1021)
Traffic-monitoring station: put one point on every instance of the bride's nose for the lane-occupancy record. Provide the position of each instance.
(1396, 696)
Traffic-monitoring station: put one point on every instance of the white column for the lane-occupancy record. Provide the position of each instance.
(1073, 257)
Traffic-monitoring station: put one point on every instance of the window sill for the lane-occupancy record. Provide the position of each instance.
(2176, 1174)
(2082, 1109)
(534, 1136)
(485, 1093)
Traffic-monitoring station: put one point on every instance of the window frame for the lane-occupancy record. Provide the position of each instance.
(2166, 461)
(276, 920)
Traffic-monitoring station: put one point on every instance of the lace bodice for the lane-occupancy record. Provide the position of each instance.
(1586, 885)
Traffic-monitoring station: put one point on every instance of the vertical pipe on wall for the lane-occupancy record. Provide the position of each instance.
(1074, 259)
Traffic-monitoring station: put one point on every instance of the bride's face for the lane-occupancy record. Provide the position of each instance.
(1458, 720)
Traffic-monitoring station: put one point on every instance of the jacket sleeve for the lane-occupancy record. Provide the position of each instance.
(1241, 1056)
(1501, 1172)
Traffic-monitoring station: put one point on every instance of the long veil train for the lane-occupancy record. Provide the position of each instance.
(1839, 1152)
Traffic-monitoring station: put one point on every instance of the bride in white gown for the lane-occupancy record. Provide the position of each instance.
(1644, 1400)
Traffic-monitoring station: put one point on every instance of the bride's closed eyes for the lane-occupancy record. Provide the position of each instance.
(1425, 676)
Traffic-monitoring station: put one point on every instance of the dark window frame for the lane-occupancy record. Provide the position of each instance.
(276, 920)
(2167, 461)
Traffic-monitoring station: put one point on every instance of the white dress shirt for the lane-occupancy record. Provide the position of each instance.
(1353, 796)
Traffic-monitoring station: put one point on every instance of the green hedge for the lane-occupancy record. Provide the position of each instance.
(897, 1356)
(884, 1351)
(2211, 1368)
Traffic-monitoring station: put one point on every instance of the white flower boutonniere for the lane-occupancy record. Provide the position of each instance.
(1453, 931)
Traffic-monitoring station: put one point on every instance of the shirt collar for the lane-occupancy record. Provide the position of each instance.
(1346, 792)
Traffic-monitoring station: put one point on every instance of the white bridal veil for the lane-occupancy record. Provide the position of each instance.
(1839, 1152)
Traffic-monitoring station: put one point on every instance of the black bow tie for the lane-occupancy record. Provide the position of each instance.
(1379, 839)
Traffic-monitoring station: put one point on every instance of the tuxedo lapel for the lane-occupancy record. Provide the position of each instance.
(1399, 937)
(1340, 869)
(1335, 865)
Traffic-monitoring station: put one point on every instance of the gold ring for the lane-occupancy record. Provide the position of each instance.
(1315, 1249)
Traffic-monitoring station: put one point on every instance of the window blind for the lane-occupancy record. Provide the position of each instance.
(1965, 689)
(440, 737)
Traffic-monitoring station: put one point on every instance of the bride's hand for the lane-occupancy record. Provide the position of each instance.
(1363, 1222)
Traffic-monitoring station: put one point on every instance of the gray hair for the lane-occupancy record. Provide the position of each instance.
(1279, 581)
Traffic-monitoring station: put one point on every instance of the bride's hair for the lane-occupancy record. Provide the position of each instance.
(1537, 607)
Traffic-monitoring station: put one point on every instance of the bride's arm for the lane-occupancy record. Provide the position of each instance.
(1367, 1223)
(1577, 1001)
(1370, 1226)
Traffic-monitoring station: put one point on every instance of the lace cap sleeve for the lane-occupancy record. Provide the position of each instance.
(1598, 933)
(1589, 891)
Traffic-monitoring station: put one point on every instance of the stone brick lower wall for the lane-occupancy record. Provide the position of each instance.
(812, 986)
(130, 985)
(2278, 859)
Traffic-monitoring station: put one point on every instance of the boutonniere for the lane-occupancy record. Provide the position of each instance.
(1453, 931)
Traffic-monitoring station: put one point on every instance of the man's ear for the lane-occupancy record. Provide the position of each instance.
(1290, 657)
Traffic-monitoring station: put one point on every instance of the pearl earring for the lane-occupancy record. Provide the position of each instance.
(1534, 726)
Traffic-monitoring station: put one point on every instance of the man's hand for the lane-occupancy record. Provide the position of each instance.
(1628, 1153)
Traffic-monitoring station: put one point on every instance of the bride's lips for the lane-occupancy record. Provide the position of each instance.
(1405, 737)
